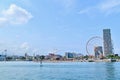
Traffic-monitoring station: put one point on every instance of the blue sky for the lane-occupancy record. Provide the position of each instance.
(42, 26)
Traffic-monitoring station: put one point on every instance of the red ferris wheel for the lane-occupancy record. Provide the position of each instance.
(92, 43)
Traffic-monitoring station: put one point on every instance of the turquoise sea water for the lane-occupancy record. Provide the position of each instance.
(59, 71)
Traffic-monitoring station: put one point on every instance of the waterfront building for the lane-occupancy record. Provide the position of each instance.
(70, 55)
(107, 42)
(2, 57)
(98, 51)
(79, 56)
(57, 57)
(26, 56)
(52, 56)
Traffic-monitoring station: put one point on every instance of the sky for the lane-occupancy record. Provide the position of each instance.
(59, 26)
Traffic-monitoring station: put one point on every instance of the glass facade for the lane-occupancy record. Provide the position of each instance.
(108, 48)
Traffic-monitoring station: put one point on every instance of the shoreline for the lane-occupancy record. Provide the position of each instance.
(58, 61)
(90, 60)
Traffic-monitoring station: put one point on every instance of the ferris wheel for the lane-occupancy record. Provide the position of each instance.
(92, 43)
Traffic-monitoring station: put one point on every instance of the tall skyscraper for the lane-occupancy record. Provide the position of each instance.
(107, 42)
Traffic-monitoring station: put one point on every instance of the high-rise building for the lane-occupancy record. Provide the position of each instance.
(107, 42)
(98, 52)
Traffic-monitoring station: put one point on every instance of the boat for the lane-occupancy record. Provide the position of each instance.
(112, 60)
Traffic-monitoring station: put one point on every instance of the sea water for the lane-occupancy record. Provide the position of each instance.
(59, 71)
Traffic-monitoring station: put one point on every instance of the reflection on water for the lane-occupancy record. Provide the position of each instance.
(59, 71)
(110, 71)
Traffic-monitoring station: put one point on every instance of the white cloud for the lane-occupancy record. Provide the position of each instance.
(25, 46)
(106, 7)
(109, 5)
(26, 2)
(3, 20)
(84, 11)
(67, 4)
(15, 15)
(35, 50)
(18, 49)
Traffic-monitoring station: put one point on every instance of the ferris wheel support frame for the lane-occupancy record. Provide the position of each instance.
(98, 37)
